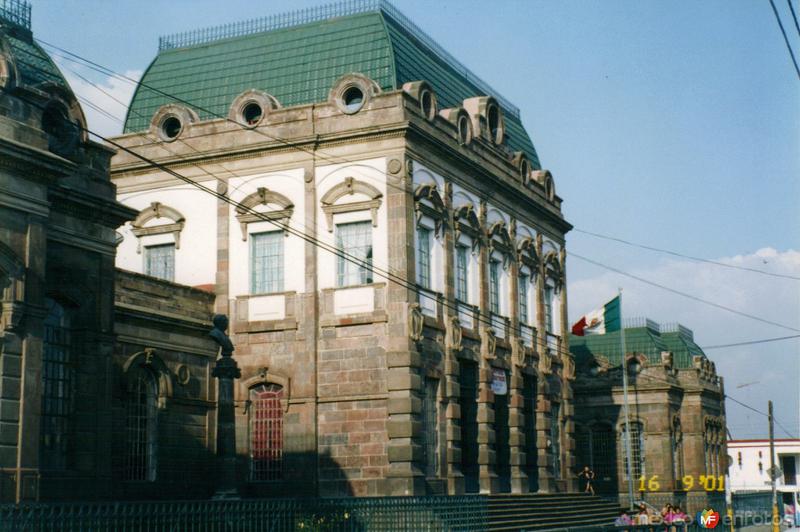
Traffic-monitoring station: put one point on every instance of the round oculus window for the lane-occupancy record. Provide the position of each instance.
(493, 117)
(252, 113)
(464, 134)
(171, 127)
(426, 104)
(353, 99)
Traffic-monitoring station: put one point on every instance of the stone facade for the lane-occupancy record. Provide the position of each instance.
(677, 400)
(72, 348)
(395, 384)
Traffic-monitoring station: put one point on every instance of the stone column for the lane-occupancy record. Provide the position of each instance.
(544, 460)
(451, 467)
(225, 370)
(403, 360)
(486, 436)
(516, 420)
(568, 373)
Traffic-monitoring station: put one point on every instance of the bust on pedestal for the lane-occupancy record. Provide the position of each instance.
(226, 370)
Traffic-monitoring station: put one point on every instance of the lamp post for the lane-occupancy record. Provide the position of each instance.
(226, 370)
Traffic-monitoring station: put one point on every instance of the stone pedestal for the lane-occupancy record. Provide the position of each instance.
(226, 370)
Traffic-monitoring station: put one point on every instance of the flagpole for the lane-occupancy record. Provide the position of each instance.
(625, 405)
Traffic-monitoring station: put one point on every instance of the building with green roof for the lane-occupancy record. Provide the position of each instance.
(297, 57)
(427, 354)
(677, 414)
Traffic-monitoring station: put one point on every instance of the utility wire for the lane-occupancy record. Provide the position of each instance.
(778, 423)
(785, 38)
(335, 250)
(106, 71)
(752, 342)
(794, 16)
(684, 294)
(677, 254)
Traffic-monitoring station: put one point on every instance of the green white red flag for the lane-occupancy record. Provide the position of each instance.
(608, 318)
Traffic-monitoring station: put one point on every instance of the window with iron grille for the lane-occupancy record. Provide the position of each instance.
(494, 286)
(159, 261)
(555, 439)
(637, 451)
(523, 298)
(430, 419)
(462, 293)
(424, 257)
(58, 381)
(266, 433)
(141, 426)
(355, 241)
(548, 308)
(266, 262)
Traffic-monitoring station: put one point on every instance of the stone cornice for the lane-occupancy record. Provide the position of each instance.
(33, 162)
(90, 207)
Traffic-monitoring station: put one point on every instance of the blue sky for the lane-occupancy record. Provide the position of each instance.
(673, 124)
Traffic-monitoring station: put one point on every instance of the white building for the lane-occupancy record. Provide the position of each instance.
(749, 470)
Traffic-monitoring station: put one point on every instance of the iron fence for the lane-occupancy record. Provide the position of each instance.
(432, 514)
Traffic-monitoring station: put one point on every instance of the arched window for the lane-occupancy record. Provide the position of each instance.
(141, 426)
(266, 433)
(58, 382)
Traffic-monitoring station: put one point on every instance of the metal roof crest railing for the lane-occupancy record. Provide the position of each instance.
(319, 13)
(17, 12)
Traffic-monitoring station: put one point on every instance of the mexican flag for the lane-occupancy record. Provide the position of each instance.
(600, 321)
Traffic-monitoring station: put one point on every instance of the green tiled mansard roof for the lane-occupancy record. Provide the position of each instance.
(641, 336)
(299, 64)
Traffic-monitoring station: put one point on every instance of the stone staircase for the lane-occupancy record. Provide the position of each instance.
(549, 511)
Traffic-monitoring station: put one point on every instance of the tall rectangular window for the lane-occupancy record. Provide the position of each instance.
(462, 293)
(494, 287)
(430, 418)
(548, 308)
(523, 298)
(637, 451)
(266, 432)
(159, 261)
(355, 241)
(424, 257)
(58, 383)
(266, 262)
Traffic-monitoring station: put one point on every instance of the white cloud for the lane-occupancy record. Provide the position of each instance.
(110, 95)
(765, 371)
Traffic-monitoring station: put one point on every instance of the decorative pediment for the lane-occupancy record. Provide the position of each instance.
(331, 200)
(465, 218)
(156, 211)
(551, 266)
(280, 217)
(499, 239)
(428, 202)
(527, 253)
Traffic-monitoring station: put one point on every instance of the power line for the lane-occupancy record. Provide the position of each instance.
(794, 16)
(225, 198)
(684, 294)
(785, 38)
(662, 381)
(107, 71)
(677, 254)
(752, 342)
